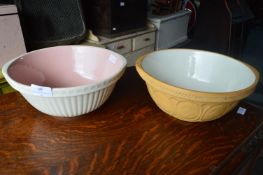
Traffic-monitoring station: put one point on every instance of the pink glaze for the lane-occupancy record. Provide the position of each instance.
(66, 66)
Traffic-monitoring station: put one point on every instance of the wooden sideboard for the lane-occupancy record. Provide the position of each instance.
(129, 134)
(131, 46)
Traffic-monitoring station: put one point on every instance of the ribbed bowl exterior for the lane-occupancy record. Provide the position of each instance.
(87, 83)
(70, 106)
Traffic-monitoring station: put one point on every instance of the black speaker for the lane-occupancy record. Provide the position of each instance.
(115, 17)
(48, 23)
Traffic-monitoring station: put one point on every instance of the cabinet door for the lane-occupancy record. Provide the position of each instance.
(142, 41)
(121, 47)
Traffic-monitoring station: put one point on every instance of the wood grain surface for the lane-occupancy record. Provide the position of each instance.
(129, 134)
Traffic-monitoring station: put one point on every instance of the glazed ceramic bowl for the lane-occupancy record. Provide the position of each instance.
(195, 85)
(65, 80)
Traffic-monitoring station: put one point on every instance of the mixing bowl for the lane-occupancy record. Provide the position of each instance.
(195, 85)
(65, 80)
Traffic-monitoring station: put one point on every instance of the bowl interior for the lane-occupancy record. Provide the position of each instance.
(198, 70)
(66, 66)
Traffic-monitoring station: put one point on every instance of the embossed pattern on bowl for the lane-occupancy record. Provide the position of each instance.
(195, 85)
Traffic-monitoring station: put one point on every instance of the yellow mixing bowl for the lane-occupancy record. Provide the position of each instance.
(195, 85)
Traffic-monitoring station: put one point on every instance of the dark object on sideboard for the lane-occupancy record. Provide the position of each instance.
(115, 18)
(166, 7)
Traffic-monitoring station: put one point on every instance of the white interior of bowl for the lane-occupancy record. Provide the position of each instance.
(198, 70)
(66, 66)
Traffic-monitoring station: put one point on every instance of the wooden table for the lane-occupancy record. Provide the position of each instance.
(129, 134)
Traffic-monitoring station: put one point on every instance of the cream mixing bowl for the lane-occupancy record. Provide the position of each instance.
(65, 80)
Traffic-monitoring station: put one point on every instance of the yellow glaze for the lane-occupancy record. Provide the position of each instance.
(2, 79)
(190, 105)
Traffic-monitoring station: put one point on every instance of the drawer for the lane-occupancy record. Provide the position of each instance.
(121, 47)
(142, 41)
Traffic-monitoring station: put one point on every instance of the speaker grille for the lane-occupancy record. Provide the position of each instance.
(51, 22)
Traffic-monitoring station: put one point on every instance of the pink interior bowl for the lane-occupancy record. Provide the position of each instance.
(66, 71)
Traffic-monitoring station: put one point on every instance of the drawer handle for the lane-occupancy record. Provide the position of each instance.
(120, 47)
(147, 39)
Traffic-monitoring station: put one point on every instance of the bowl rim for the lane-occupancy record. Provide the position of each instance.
(66, 91)
(144, 74)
